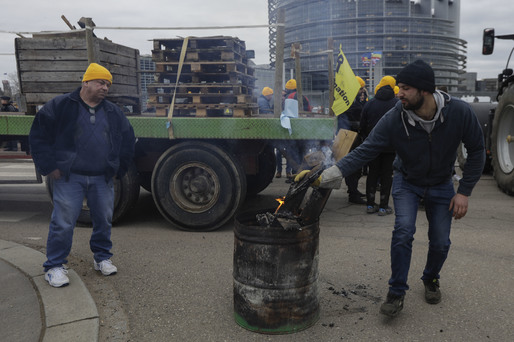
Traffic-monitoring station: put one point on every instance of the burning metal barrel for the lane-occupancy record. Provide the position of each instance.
(275, 276)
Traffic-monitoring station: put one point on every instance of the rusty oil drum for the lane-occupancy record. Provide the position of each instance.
(275, 276)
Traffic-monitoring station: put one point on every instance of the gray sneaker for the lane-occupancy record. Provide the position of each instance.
(57, 277)
(392, 306)
(106, 267)
(432, 292)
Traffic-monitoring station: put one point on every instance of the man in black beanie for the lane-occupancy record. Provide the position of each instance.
(425, 129)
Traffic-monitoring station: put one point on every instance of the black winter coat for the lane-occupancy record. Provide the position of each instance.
(53, 136)
(375, 109)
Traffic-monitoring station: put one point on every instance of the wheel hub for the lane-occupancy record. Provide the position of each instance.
(195, 187)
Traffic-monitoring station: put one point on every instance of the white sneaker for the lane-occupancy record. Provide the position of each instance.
(106, 267)
(56, 277)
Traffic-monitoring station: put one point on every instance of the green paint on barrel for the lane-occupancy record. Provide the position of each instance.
(275, 276)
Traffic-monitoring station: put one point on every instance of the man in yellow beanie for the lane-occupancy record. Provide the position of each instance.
(81, 141)
(264, 101)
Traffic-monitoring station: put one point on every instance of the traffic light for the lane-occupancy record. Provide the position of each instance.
(488, 41)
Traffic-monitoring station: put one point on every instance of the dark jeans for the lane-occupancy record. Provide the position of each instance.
(406, 200)
(380, 169)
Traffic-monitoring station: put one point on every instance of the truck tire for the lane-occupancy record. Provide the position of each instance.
(197, 186)
(267, 167)
(502, 142)
(126, 193)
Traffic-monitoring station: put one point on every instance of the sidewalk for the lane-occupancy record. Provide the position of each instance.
(32, 310)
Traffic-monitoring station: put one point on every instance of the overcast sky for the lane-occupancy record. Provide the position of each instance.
(36, 16)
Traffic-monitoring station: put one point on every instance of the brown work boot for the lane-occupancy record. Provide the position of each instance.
(278, 175)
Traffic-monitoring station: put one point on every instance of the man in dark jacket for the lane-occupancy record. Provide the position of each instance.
(425, 129)
(264, 101)
(81, 141)
(381, 168)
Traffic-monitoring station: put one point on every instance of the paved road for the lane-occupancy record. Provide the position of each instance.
(177, 286)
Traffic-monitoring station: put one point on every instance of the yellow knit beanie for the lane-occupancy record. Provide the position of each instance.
(267, 91)
(291, 84)
(96, 72)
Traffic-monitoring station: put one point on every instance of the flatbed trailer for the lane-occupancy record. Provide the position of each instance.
(200, 178)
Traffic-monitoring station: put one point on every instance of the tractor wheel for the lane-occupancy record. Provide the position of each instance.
(502, 142)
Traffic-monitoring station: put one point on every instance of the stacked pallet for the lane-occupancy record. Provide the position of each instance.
(215, 78)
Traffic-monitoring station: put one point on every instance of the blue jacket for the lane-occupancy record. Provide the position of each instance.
(425, 159)
(265, 106)
(53, 132)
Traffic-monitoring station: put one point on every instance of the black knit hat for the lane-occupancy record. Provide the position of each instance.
(419, 75)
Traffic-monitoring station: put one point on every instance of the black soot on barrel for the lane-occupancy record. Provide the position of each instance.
(275, 276)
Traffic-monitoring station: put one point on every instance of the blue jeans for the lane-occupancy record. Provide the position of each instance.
(68, 197)
(406, 201)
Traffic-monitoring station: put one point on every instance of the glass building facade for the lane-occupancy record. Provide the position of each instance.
(400, 30)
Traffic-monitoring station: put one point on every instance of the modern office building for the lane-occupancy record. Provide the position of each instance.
(378, 37)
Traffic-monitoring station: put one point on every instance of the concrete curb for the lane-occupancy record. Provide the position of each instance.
(69, 313)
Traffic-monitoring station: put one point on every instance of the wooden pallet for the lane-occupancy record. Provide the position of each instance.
(217, 79)
(199, 98)
(213, 55)
(201, 88)
(208, 110)
(205, 67)
(216, 42)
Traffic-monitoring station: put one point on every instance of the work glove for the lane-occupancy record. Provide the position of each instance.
(302, 174)
(331, 178)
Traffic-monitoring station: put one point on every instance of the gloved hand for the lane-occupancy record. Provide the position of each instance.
(302, 174)
(331, 178)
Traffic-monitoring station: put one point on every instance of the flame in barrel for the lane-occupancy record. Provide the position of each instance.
(280, 200)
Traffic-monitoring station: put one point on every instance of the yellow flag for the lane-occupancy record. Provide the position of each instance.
(346, 85)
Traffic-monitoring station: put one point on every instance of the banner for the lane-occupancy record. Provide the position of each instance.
(371, 57)
(346, 85)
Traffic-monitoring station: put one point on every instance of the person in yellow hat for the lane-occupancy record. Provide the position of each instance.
(81, 141)
(381, 168)
(350, 120)
(291, 93)
(264, 101)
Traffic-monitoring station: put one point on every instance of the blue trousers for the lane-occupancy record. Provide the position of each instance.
(68, 196)
(406, 201)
